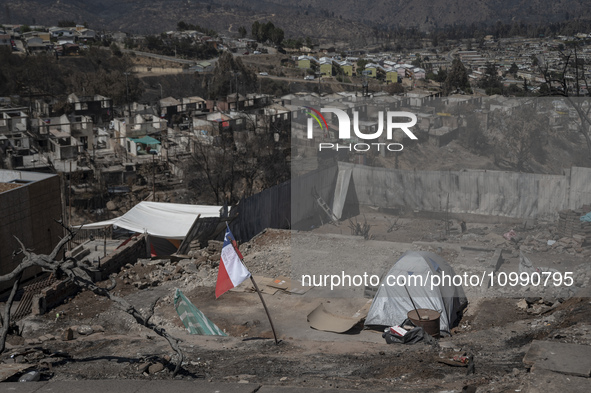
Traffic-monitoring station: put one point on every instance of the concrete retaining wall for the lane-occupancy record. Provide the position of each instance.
(158, 70)
(496, 193)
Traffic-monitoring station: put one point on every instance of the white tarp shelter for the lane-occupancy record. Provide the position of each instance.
(392, 303)
(159, 219)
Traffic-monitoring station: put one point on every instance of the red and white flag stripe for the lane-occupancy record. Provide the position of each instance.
(232, 271)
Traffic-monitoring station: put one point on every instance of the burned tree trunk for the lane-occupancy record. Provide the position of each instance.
(5, 321)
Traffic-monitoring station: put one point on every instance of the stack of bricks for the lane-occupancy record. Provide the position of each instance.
(570, 224)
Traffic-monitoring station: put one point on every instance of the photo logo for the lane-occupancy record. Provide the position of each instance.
(392, 122)
(315, 114)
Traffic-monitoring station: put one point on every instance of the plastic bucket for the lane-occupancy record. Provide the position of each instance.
(427, 319)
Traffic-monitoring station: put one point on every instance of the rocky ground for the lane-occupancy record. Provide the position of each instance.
(88, 337)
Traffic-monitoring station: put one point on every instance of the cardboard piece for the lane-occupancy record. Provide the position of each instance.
(281, 282)
(570, 359)
(271, 286)
(321, 319)
(262, 282)
(286, 284)
(363, 311)
(298, 289)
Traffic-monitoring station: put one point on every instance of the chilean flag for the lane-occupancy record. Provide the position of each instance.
(232, 271)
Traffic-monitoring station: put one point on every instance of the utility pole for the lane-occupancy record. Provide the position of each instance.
(236, 82)
(153, 177)
(127, 92)
(319, 75)
(70, 202)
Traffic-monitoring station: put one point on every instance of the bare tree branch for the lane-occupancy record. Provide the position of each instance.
(80, 280)
(80, 276)
(583, 116)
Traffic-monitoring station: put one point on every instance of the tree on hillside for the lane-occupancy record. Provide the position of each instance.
(571, 82)
(513, 69)
(229, 70)
(66, 23)
(361, 65)
(394, 88)
(212, 171)
(183, 26)
(242, 31)
(266, 30)
(519, 137)
(224, 169)
(112, 77)
(491, 82)
(30, 75)
(263, 32)
(277, 36)
(255, 30)
(471, 133)
(457, 78)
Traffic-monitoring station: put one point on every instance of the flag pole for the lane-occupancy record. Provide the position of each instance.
(256, 287)
(266, 309)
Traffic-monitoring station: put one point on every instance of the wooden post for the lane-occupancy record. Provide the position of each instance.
(413, 303)
(70, 204)
(447, 216)
(153, 177)
(184, 247)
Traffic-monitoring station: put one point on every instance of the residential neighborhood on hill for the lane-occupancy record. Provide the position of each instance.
(231, 196)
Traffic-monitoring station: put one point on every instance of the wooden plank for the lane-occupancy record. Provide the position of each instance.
(8, 370)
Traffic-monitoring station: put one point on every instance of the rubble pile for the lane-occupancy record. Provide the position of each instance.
(538, 305)
(267, 254)
(570, 224)
(571, 245)
(574, 245)
(150, 273)
(564, 237)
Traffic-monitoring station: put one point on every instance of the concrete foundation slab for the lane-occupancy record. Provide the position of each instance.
(127, 386)
(570, 359)
(543, 381)
(8, 370)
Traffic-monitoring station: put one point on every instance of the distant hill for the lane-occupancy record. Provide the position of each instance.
(330, 19)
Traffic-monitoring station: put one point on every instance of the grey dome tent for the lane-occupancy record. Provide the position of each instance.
(391, 302)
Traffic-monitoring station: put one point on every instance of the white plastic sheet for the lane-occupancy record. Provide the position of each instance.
(166, 220)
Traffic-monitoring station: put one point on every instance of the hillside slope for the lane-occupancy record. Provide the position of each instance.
(344, 19)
